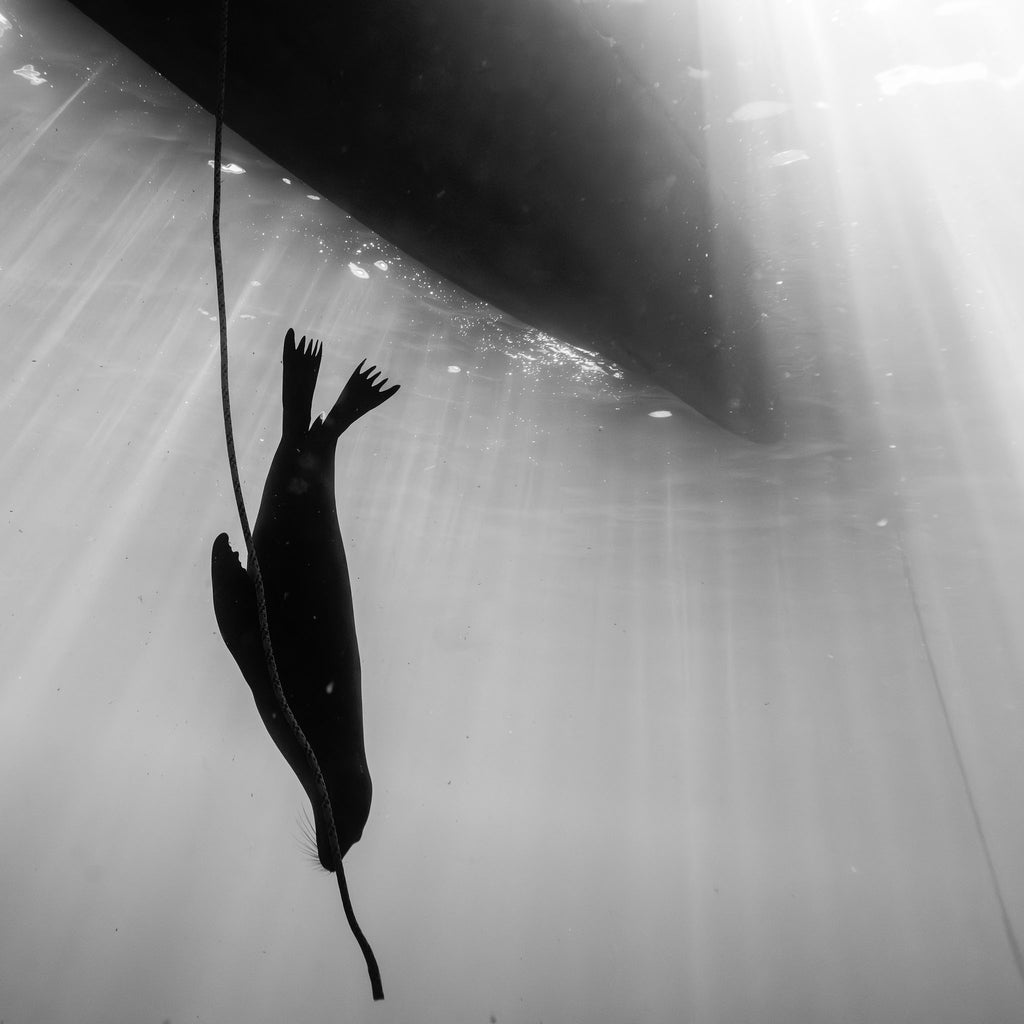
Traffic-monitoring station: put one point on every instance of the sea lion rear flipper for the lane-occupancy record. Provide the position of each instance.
(362, 393)
(301, 365)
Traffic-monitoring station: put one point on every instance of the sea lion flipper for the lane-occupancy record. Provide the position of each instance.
(362, 393)
(301, 365)
(234, 600)
(234, 603)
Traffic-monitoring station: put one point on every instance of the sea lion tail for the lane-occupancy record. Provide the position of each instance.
(362, 393)
(371, 961)
(301, 366)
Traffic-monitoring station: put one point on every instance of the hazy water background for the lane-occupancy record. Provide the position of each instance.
(663, 726)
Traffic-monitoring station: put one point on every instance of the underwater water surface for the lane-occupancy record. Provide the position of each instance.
(664, 726)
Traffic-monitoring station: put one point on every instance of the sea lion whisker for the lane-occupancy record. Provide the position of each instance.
(307, 838)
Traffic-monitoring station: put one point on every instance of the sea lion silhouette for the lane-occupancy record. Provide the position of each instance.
(309, 601)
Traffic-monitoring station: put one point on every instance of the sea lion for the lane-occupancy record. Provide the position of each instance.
(309, 601)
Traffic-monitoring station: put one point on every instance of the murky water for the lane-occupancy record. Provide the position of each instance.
(664, 726)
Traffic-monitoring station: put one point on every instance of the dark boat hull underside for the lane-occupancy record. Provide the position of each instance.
(507, 146)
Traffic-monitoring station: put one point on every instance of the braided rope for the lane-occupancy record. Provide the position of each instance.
(253, 564)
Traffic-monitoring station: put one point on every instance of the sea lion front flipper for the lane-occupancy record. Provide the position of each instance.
(234, 604)
(362, 393)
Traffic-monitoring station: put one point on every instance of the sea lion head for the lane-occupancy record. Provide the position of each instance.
(350, 807)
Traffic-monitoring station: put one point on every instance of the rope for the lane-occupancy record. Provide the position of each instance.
(254, 566)
(1008, 930)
